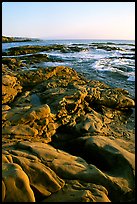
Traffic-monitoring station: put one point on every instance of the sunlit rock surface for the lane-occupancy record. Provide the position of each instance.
(65, 138)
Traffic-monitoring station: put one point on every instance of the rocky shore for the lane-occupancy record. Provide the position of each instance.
(64, 138)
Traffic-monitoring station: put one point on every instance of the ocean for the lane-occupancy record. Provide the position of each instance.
(110, 61)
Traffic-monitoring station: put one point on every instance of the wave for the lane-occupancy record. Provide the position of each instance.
(131, 78)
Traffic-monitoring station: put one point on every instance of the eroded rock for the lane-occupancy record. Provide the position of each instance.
(60, 107)
(10, 88)
(29, 121)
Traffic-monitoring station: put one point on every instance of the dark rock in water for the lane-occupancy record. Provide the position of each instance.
(13, 63)
(105, 46)
(28, 49)
(65, 138)
(34, 59)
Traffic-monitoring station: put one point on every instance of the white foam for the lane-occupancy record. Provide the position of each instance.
(131, 78)
(55, 63)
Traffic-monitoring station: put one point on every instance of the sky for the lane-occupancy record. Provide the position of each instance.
(69, 20)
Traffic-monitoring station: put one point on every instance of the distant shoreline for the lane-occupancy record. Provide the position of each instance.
(16, 39)
(25, 39)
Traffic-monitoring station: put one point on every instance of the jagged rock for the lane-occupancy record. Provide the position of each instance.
(30, 78)
(7, 71)
(75, 102)
(10, 88)
(29, 121)
(113, 98)
(13, 64)
(89, 123)
(5, 107)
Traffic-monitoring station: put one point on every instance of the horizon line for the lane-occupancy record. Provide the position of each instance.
(44, 38)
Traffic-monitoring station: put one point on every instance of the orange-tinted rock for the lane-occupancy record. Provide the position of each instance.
(58, 106)
(16, 186)
(10, 88)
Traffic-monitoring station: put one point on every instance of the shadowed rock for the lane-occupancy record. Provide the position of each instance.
(45, 160)
(74, 191)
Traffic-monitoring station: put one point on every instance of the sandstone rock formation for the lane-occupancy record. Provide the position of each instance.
(49, 169)
(65, 138)
(10, 88)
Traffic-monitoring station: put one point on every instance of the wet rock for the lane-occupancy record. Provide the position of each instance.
(38, 58)
(7, 71)
(105, 46)
(28, 49)
(35, 100)
(13, 64)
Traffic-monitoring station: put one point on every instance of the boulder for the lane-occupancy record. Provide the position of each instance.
(107, 150)
(29, 121)
(102, 151)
